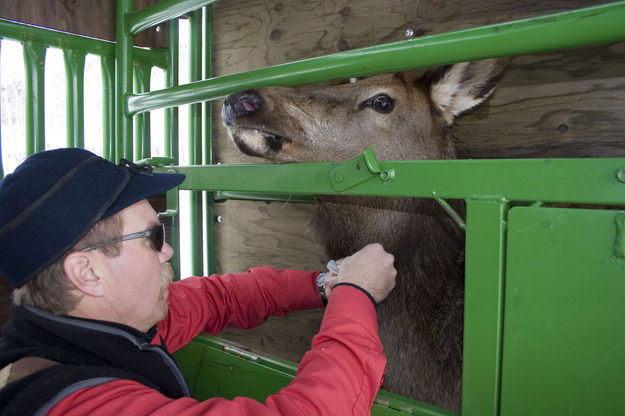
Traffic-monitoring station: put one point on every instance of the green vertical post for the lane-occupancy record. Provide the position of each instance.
(171, 115)
(123, 81)
(483, 321)
(107, 64)
(171, 144)
(142, 76)
(195, 142)
(34, 61)
(75, 75)
(209, 230)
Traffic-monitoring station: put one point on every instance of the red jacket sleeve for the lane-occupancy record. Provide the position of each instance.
(340, 375)
(242, 300)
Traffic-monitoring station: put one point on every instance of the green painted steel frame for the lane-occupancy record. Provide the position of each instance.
(487, 186)
(583, 181)
(576, 28)
(35, 41)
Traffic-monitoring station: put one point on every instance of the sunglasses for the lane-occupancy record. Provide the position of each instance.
(156, 234)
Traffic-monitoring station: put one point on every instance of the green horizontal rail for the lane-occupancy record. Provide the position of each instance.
(30, 33)
(591, 181)
(221, 196)
(161, 12)
(580, 27)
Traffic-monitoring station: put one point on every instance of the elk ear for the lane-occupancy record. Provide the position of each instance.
(457, 88)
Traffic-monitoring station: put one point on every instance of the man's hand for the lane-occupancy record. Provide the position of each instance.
(371, 268)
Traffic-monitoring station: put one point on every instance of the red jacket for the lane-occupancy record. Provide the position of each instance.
(340, 375)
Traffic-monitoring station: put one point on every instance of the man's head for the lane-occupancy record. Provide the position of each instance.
(51, 203)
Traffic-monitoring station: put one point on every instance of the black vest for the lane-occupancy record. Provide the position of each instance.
(90, 353)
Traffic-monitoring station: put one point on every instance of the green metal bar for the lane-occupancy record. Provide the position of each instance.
(195, 143)
(142, 76)
(594, 181)
(34, 61)
(107, 64)
(161, 12)
(75, 114)
(171, 143)
(221, 196)
(123, 82)
(483, 320)
(587, 26)
(29, 33)
(209, 212)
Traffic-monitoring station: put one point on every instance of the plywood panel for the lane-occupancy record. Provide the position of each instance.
(94, 18)
(563, 103)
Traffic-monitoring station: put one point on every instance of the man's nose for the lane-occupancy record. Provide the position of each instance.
(165, 253)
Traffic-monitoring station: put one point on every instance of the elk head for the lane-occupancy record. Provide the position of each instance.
(402, 116)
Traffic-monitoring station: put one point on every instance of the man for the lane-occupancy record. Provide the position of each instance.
(94, 315)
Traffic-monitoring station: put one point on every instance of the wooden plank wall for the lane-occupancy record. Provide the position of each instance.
(563, 103)
(95, 18)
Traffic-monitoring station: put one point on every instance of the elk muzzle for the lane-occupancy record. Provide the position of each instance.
(242, 103)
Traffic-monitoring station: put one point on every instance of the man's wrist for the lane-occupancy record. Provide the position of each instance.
(320, 283)
(359, 288)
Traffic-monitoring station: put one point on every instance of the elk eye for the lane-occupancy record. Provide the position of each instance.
(381, 103)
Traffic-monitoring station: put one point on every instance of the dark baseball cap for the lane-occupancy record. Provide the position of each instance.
(54, 198)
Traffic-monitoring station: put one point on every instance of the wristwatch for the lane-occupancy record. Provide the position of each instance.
(321, 287)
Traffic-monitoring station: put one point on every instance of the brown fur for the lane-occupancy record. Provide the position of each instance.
(421, 322)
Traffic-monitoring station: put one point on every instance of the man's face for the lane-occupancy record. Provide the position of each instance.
(136, 281)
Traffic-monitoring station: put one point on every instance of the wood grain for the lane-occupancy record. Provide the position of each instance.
(554, 104)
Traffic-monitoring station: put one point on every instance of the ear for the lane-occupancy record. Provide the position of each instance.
(79, 270)
(457, 88)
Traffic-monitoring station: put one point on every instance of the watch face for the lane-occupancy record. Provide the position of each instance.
(321, 280)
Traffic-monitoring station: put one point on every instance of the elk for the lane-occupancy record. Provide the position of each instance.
(402, 116)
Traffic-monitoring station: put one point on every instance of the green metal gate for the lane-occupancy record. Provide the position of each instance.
(544, 316)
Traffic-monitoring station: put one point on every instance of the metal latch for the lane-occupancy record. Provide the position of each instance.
(358, 170)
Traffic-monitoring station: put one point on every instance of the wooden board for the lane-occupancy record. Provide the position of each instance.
(563, 103)
(94, 18)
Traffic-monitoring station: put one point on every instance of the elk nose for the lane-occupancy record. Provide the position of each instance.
(239, 104)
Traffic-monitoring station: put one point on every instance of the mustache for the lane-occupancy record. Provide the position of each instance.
(167, 276)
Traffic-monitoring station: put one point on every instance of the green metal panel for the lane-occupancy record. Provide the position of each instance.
(597, 181)
(34, 61)
(576, 28)
(75, 114)
(214, 367)
(564, 332)
(484, 280)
